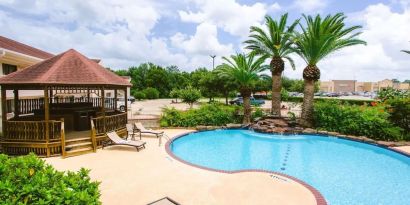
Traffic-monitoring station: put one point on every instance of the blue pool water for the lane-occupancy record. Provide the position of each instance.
(344, 171)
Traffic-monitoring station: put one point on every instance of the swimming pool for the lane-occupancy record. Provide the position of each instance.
(344, 171)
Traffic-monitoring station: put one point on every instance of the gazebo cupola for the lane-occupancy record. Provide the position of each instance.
(73, 101)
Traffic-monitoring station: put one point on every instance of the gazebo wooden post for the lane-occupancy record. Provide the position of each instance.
(126, 103)
(16, 103)
(3, 109)
(103, 106)
(88, 95)
(115, 99)
(47, 117)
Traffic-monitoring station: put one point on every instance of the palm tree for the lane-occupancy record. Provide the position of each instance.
(321, 38)
(246, 70)
(408, 52)
(275, 43)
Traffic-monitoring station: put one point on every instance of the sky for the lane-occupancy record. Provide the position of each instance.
(185, 33)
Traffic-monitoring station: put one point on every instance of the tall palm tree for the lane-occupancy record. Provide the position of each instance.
(320, 38)
(408, 52)
(274, 43)
(246, 70)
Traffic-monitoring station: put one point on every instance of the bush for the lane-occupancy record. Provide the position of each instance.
(399, 110)
(175, 93)
(258, 113)
(139, 95)
(151, 93)
(28, 180)
(210, 114)
(342, 101)
(367, 121)
(391, 93)
(190, 95)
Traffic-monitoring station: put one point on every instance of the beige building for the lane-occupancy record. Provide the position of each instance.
(354, 86)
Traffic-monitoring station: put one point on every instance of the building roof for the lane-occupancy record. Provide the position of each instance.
(18, 47)
(68, 68)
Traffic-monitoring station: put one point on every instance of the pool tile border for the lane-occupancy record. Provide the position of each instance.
(320, 200)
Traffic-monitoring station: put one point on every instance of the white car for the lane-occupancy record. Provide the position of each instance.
(121, 104)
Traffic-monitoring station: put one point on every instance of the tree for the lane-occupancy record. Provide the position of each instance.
(245, 70)
(190, 95)
(405, 51)
(275, 43)
(175, 93)
(320, 38)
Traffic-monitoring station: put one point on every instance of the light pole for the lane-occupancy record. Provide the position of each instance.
(213, 61)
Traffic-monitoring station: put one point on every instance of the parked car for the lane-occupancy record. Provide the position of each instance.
(239, 101)
(333, 95)
(121, 103)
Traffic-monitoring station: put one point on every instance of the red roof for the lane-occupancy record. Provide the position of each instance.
(68, 68)
(15, 46)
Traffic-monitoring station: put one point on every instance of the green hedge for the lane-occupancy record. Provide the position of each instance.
(357, 120)
(28, 180)
(344, 101)
(399, 110)
(210, 114)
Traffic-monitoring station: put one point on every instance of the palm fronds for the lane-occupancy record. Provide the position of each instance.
(322, 37)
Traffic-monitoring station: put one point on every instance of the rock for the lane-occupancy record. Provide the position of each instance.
(386, 143)
(233, 125)
(201, 128)
(323, 132)
(333, 133)
(309, 131)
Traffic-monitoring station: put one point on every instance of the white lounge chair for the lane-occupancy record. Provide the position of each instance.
(141, 129)
(117, 140)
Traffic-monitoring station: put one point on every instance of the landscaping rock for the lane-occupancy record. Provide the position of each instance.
(323, 132)
(201, 128)
(232, 126)
(333, 133)
(386, 143)
(309, 131)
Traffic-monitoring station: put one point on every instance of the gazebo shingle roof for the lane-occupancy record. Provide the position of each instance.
(15, 46)
(68, 68)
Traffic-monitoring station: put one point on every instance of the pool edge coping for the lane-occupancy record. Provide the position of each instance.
(320, 200)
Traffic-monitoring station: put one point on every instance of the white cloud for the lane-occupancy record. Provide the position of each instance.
(202, 44)
(310, 5)
(229, 15)
(386, 33)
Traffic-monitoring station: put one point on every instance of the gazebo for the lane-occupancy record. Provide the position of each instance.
(72, 115)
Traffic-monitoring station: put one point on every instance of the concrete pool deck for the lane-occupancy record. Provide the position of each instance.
(131, 177)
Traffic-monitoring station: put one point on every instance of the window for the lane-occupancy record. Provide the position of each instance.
(7, 69)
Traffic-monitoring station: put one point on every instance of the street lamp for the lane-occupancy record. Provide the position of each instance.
(213, 61)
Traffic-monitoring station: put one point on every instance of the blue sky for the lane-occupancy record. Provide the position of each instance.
(185, 32)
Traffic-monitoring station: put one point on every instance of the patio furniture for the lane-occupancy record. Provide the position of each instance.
(130, 131)
(117, 140)
(164, 201)
(141, 129)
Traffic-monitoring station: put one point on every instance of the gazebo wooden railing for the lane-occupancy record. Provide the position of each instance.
(101, 125)
(31, 136)
(27, 106)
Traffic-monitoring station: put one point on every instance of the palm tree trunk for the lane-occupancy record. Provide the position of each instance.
(276, 88)
(307, 107)
(277, 65)
(246, 106)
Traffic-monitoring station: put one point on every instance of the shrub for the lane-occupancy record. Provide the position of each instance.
(151, 93)
(284, 94)
(190, 95)
(341, 101)
(175, 93)
(210, 114)
(139, 95)
(258, 113)
(367, 121)
(28, 180)
(391, 93)
(399, 110)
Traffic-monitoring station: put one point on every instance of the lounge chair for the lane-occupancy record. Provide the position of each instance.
(117, 140)
(141, 129)
(130, 131)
